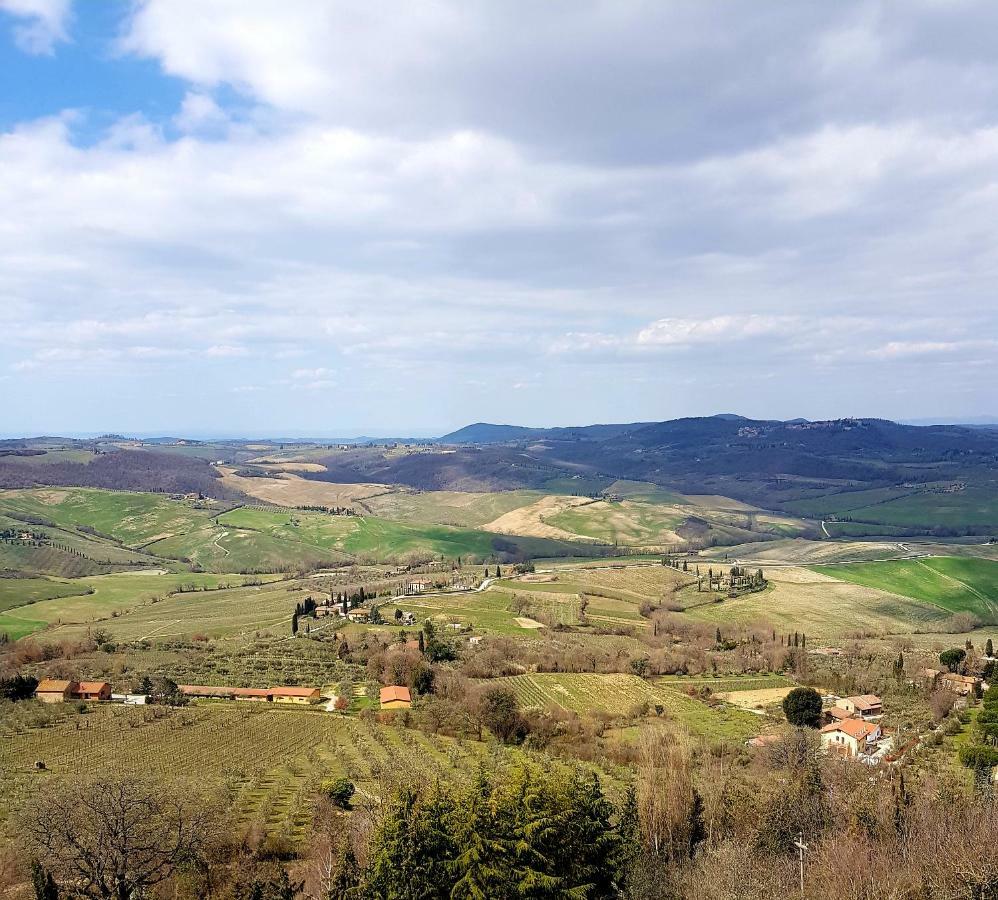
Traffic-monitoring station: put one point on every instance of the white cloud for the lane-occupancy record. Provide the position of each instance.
(441, 196)
(717, 329)
(46, 25)
(311, 374)
(199, 112)
(904, 349)
(226, 351)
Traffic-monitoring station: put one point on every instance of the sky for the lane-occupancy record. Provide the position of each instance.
(335, 217)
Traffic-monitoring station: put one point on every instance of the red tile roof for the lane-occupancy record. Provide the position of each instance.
(855, 728)
(294, 691)
(53, 686)
(205, 690)
(92, 687)
(866, 701)
(394, 692)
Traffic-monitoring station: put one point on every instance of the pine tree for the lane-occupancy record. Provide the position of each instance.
(43, 883)
(346, 884)
(696, 829)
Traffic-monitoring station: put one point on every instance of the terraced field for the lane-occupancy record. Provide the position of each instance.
(956, 584)
(617, 693)
(726, 683)
(272, 759)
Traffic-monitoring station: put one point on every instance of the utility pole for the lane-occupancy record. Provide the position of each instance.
(801, 847)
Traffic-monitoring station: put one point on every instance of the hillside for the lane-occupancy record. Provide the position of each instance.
(815, 469)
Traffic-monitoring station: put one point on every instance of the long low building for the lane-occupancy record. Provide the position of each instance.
(301, 695)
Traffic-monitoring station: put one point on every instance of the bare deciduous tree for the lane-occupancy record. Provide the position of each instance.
(115, 837)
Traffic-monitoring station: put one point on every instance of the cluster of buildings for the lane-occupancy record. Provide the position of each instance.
(961, 685)
(54, 690)
(853, 729)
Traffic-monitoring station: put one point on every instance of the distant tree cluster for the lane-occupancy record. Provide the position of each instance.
(127, 470)
(331, 510)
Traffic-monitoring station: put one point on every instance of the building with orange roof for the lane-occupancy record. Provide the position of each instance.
(93, 691)
(395, 697)
(210, 691)
(867, 706)
(960, 684)
(258, 695)
(850, 737)
(54, 690)
(300, 695)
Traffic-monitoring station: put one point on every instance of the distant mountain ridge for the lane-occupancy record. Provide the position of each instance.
(488, 433)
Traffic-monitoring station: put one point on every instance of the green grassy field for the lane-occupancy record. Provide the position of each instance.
(957, 584)
(17, 626)
(238, 611)
(824, 607)
(16, 592)
(619, 693)
(113, 598)
(448, 507)
(57, 456)
(975, 506)
(489, 611)
(627, 522)
(252, 538)
(132, 518)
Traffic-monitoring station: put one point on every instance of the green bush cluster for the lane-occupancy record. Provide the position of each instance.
(984, 755)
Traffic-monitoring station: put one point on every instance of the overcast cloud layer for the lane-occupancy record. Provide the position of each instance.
(242, 216)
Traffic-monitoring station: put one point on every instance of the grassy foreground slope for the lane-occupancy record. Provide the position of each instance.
(272, 759)
(957, 584)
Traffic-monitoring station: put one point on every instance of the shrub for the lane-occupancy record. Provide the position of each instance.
(340, 791)
(953, 658)
(802, 707)
(977, 756)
